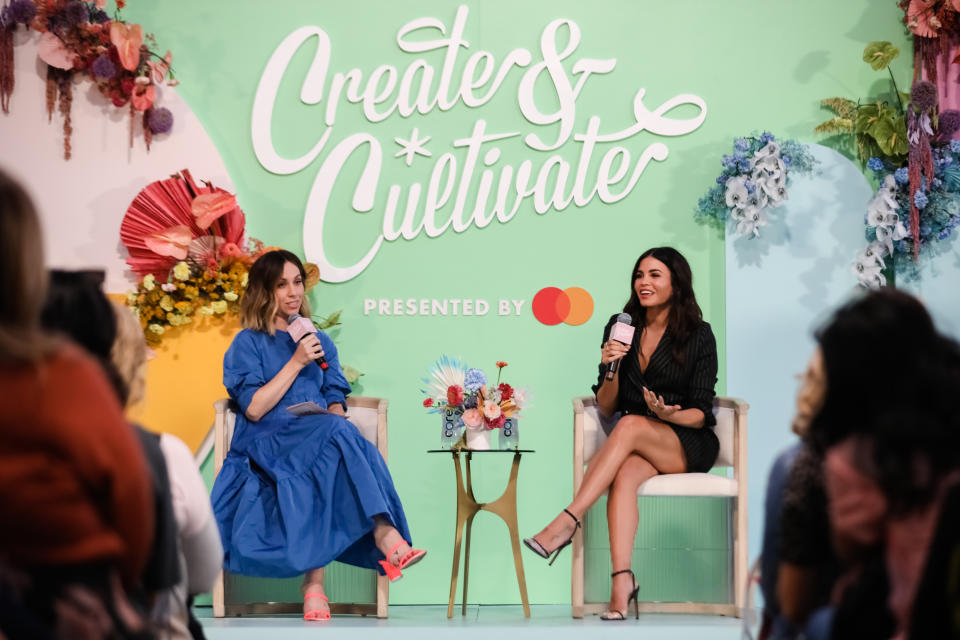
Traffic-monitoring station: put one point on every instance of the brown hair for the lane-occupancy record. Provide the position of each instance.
(23, 278)
(259, 304)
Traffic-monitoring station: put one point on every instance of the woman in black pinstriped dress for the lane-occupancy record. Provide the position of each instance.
(663, 392)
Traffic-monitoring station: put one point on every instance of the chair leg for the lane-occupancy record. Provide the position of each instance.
(739, 555)
(576, 579)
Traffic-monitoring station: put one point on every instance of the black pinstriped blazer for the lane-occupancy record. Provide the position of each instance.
(690, 385)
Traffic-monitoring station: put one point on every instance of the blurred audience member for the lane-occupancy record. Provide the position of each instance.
(77, 308)
(798, 564)
(890, 432)
(74, 491)
(200, 551)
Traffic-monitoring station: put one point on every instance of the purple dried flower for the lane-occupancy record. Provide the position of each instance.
(103, 67)
(160, 120)
(76, 13)
(949, 124)
(22, 11)
(923, 96)
(6, 18)
(98, 16)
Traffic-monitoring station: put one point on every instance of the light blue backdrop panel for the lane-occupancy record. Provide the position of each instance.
(939, 285)
(780, 287)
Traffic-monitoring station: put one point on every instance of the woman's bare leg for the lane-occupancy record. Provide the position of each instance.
(622, 520)
(313, 583)
(385, 536)
(651, 439)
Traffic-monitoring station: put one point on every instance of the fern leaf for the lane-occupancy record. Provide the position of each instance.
(835, 125)
(843, 107)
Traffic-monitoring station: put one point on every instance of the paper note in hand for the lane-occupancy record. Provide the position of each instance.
(306, 409)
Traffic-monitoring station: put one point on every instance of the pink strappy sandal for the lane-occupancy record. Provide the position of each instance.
(411, 557)
(315, 614)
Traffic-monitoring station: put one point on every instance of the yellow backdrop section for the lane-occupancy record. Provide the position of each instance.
(185, 378)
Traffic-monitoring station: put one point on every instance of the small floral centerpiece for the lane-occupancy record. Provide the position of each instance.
(465, 399)
(755, 178)
(79, 39)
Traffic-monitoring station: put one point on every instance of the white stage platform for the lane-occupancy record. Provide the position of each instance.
(407, 622)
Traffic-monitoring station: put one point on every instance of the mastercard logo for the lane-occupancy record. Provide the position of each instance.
(552, 306)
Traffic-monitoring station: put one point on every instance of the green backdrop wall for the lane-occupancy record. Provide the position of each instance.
(755, 65)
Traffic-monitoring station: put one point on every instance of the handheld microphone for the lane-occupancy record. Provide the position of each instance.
(300, 327)
(622, 331)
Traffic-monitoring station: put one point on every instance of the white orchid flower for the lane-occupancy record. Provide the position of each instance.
(758, 199)
(753, 219)
(899, 231)
(868, 271)
(772, 149)
(877, 217)
(737, 193)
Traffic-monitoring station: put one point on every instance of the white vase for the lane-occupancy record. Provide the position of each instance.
(479, 439)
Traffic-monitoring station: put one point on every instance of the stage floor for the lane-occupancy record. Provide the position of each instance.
(407, 622)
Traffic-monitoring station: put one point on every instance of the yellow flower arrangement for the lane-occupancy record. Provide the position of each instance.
(190, 290)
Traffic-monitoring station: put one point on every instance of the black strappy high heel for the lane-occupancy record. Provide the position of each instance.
(538, 549)
(634, 595)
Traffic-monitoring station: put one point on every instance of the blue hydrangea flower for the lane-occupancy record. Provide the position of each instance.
(741, 144)
(955, 146)
(750, 185)
(875, 164)
(766, 137)
(727, 161)
(739, 155)
(787, 160)
(721, 179)
(744, 166)
(474, 379)
(902, 175)
(920, 199)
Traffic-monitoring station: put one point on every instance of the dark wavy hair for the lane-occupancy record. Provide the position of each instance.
(892, 384)
(77, 308)
(685, 314)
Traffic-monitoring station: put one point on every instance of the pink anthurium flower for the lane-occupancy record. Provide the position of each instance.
(172, 241)
(143, 97)
(207, 207)
(53, 51)
(127, 39)
(158, 70)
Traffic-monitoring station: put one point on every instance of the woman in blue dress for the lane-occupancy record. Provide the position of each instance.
(296, 493)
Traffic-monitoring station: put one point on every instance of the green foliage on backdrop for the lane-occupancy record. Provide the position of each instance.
(756, 65)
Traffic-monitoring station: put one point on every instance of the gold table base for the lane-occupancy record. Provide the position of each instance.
(467, 507)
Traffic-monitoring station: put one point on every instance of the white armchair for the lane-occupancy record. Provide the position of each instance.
(239, 595)
(731, 429)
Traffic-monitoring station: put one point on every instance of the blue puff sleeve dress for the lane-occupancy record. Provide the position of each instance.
(295, 493)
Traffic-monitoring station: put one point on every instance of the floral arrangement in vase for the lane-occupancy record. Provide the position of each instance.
(79, 39)
(465, 399)
(754, 179)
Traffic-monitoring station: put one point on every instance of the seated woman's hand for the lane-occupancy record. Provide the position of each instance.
(308, 350)
(612, 350)
(658, 406)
